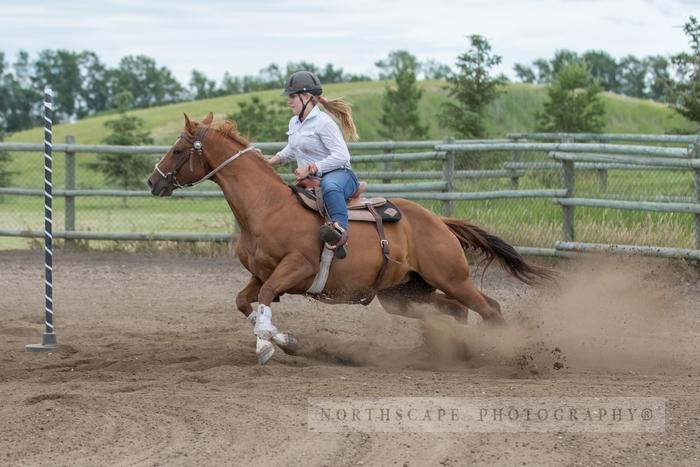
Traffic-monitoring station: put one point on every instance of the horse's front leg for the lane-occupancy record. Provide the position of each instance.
(293, 270)
(245, 297)
(248, 295)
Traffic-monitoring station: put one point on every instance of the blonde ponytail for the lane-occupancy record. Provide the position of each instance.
(341, 110)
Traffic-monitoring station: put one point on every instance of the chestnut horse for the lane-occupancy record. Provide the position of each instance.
(279, 242)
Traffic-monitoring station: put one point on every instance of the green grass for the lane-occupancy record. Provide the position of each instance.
(532, 222)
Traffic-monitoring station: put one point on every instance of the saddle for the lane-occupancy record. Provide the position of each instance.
(308, 190)
(377, 210)
(355, 202)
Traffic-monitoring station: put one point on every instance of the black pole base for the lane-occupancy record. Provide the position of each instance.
(48, 343)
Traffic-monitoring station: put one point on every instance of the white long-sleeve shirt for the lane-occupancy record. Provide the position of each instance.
(316, 140)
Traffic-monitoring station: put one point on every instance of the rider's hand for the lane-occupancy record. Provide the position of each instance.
(302, 172)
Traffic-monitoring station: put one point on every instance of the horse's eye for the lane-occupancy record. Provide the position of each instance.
(177, 152)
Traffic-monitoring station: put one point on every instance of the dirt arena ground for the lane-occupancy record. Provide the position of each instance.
(156, 367)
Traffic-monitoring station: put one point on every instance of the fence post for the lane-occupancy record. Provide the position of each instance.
(516, 156)
(448, 175)
(569, 182)
(696, 154)
(387, 165)
(602, 180)
(69, 218)
(568, 211)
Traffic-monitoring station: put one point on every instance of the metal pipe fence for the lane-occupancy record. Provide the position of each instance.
(512, 187)
(595, 137)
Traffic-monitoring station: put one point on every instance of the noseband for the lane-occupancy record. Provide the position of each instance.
(197, 147)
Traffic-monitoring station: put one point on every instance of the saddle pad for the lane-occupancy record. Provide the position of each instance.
(386, 209)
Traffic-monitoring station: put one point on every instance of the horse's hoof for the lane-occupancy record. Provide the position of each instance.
(287, 342)
(264, 350)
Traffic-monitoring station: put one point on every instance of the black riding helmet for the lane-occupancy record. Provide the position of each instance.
(303, 81)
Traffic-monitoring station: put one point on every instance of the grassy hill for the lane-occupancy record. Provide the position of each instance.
(513, 111)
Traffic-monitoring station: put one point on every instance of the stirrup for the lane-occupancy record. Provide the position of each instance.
(335, 237)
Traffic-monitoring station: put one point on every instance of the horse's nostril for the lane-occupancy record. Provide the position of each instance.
(148, 182)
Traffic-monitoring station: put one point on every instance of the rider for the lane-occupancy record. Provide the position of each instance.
(315, 141)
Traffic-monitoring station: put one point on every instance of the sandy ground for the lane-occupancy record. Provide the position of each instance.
(157, 368)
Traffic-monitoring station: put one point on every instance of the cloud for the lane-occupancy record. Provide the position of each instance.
(215, 36)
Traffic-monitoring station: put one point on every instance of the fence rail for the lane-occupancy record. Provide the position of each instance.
(622, 137)
(569, 147)
(569, 157)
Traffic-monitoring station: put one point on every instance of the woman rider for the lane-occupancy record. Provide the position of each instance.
(316, 142)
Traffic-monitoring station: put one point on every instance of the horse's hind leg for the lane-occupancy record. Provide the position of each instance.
(466, 292)
(449, 273)
(441, 338)
(449, 306)
(397, 300)
(491, 301)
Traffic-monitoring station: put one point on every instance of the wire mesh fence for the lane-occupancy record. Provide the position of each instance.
(508, 190)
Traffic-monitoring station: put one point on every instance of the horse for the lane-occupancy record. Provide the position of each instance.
(279, 242)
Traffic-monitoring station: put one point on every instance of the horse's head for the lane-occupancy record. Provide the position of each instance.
(184, 163)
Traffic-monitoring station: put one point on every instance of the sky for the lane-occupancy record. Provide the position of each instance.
(242, 37)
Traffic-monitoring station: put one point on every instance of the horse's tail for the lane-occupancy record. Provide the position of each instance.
(494, 248)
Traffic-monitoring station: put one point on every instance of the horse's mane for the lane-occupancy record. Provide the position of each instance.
(229, 129)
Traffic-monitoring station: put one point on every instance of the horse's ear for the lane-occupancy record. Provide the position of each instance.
(208, 119)
(188, 124)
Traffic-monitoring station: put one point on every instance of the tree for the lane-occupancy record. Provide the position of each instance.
(603, 68)
(472, 88)
(5, 175)
(330, 74)
(687, 90)
(95, 94)
(434, 70)
(23, 68)
(60, 70)
(355, 77)
(524, 73)
(400, 119)
(271, 77)
(231, 84)
(574, 103)
(259, 121)
(659, 81)
(632, 73)
(201, 86)
(149, 84)
(544, 70)
(125, 170)
(293, 67)
(20, 103)
(387, 67)
(563, 57)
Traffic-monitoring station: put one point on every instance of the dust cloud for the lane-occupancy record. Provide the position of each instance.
(608, 314)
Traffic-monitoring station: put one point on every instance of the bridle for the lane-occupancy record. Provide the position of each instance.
(197, 147)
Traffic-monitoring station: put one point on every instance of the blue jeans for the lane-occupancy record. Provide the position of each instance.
(337, 186)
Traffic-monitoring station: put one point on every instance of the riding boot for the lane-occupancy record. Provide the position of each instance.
(335, 238)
